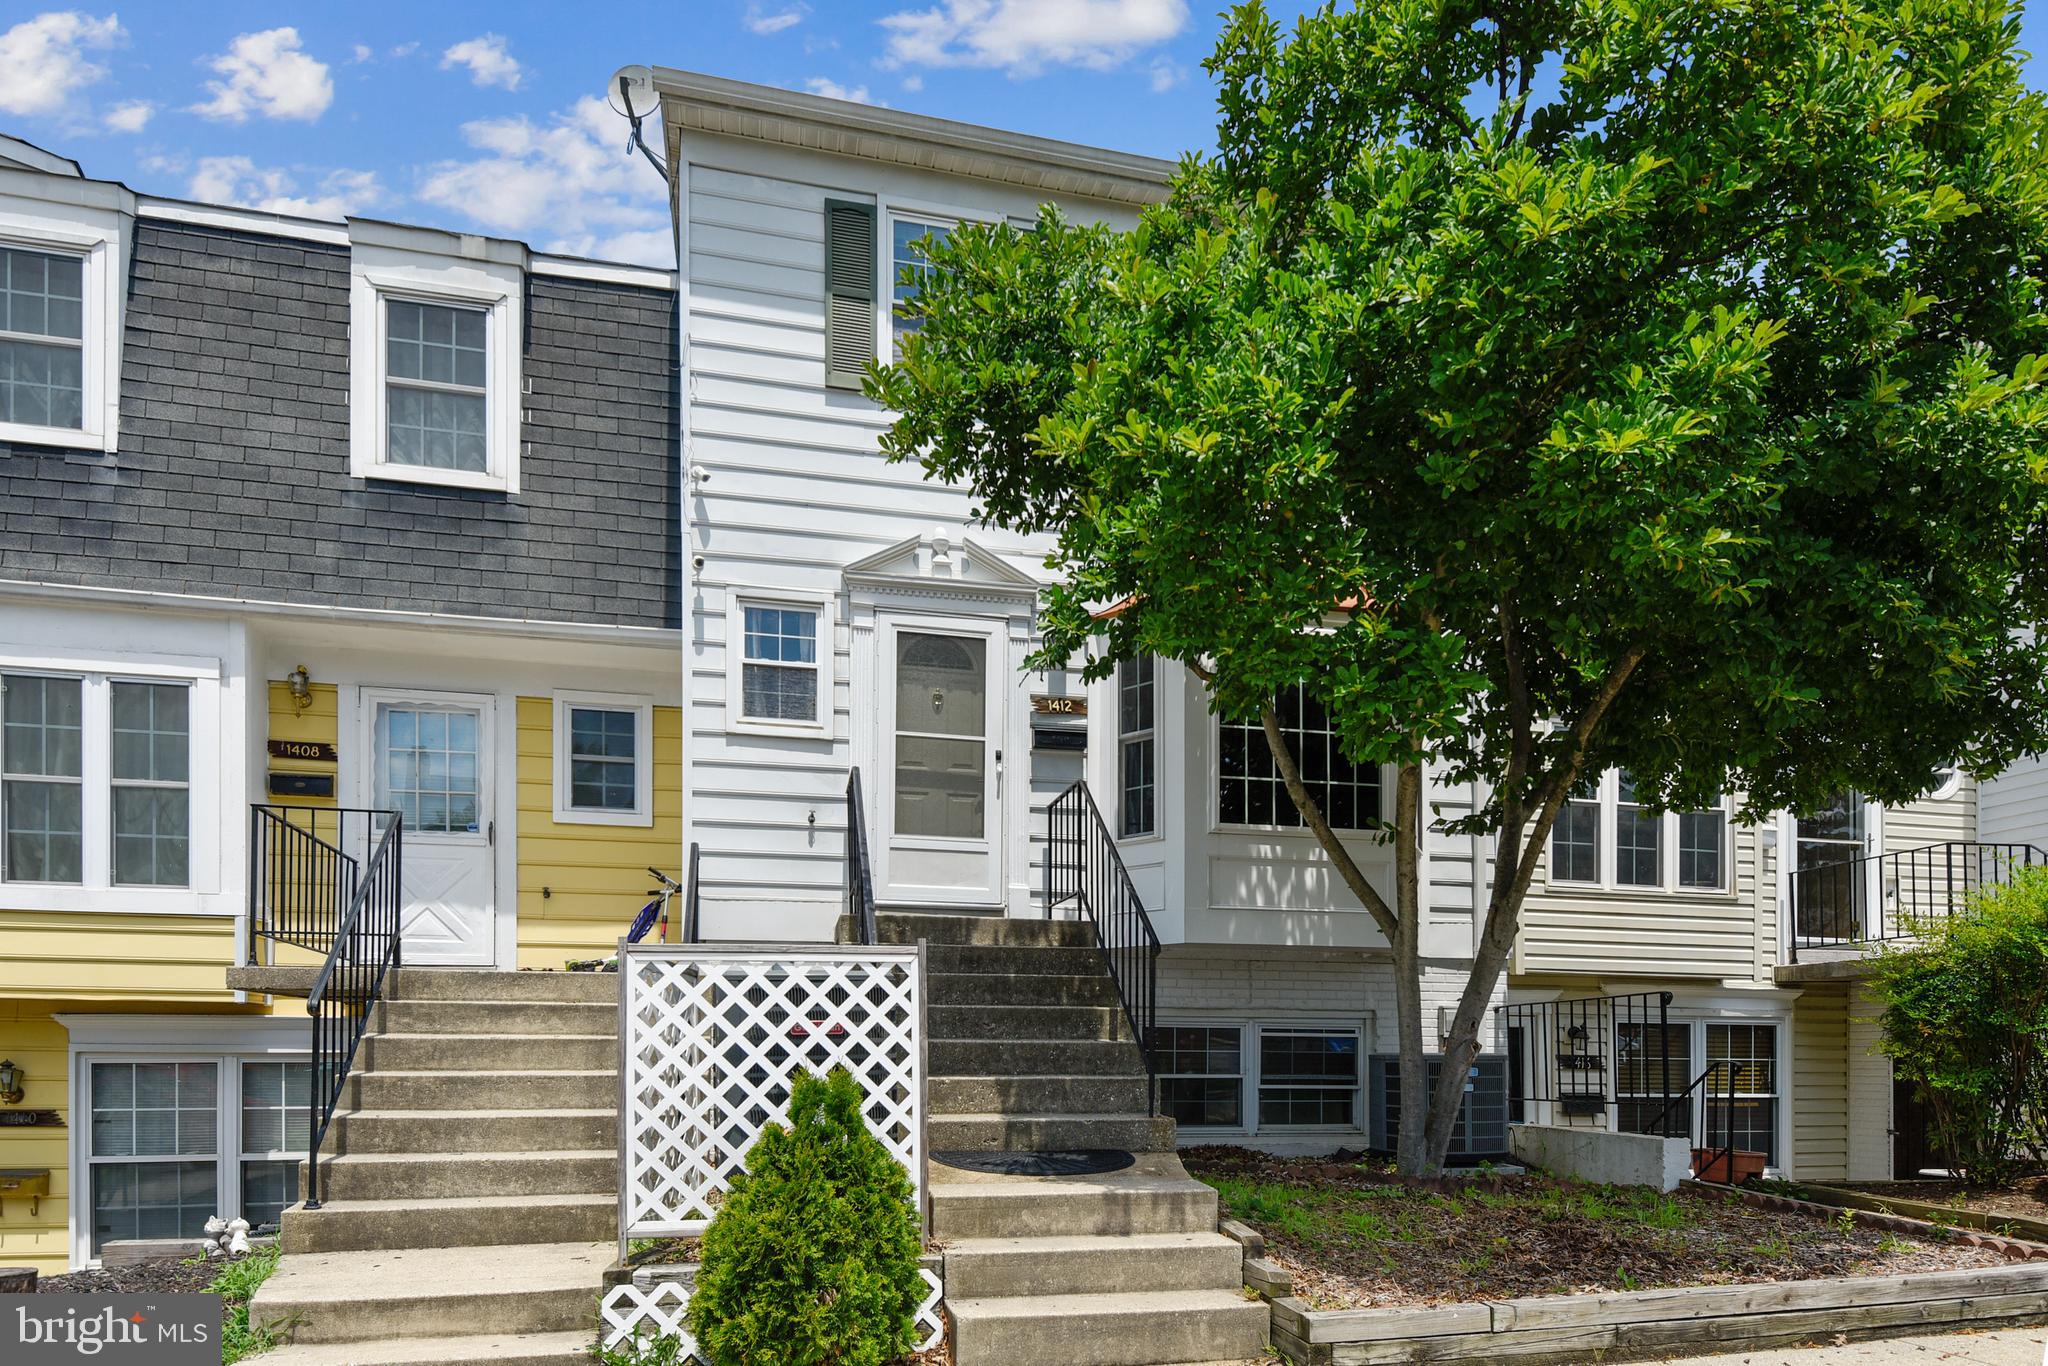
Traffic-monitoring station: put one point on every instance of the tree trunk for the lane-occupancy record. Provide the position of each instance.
(1412, 1149)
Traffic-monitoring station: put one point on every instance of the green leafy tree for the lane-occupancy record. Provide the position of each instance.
(1966, 1017)
(812, 1259)
(1552, 385)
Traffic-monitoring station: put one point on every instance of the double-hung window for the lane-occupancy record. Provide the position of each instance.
(437, 392)
(1308, 1077)
(1250, 790)
(1137, 752)
(42, 338)
(95, 780)
(1638, 837)
(275, 1120)
(1201, 1074)
(603, 760)
(909, 268)
(1575, 838)
(783, 655)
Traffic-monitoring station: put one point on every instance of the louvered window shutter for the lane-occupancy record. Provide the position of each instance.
(849, 292)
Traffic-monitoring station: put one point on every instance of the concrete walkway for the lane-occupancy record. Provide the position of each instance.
(2009, 1347)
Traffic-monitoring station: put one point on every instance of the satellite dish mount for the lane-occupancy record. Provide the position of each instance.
(632, 95)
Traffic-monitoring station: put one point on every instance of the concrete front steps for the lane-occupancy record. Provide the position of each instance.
(1030, 1051)
(1121, 1269)
(469, 1181)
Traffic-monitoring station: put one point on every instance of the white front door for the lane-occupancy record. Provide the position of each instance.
(941, 779)
(431, 761)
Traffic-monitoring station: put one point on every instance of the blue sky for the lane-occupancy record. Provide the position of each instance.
(489, 117)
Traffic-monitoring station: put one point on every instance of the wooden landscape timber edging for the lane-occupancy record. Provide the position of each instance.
(1647, 1323)
(2035, 1230)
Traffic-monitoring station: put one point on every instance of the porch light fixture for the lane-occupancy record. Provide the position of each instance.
(10, 1083)
(299, 684)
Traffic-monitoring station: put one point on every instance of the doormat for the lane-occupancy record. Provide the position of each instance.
(1080, 1162)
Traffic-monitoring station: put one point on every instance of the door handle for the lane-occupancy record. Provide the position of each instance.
(999, 773)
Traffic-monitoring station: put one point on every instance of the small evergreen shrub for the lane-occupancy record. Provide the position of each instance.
(812, 1259)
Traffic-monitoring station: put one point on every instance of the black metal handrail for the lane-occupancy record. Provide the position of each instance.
(345, 995)
(1585, 1054)
(1879, 897)
(1699, 1121)
(860, 877)
(1084, 868)
(303, 863)
(692, 920)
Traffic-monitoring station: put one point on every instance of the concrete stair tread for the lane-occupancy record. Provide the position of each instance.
(456, 1204)
(1051, 1115)
(429, 1272)
(1134, 1304)
(1057, 1245)
(1039, 1187)
(480, 1158)
(495, 1072)
(484, 1034)
(381, 1113)
(498, 1349)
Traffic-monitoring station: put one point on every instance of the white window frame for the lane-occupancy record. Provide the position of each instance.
(1694, 1020)
(1255, 1073)
(206, 718)
(1217, 825)
(380, 274)
(1246, 1093)
(1608, 852)
(224, 1040)
(642, 708)
(930, 213)
(892, 217)
(736, 719)
(1127, 740)
(98, 238)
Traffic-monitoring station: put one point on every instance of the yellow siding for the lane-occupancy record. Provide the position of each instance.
(579, 885)
(1576, 930)
(100, 956)
(318, 724)
(1820, 1084)
(30, 1038)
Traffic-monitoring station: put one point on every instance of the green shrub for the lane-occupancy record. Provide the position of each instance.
(1966, 1019)
(812, 1259)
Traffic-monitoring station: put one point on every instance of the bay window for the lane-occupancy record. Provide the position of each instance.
(1137, 752)
(1250, 790)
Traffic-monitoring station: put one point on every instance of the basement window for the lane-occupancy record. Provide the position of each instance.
(1201, 1074)
(1308, 1078)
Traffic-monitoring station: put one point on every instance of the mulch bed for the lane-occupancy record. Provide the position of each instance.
(168, 1275)
(2026, 1198)
(1357, 1238)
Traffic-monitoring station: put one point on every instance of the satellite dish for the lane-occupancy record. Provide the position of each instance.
(631, 92)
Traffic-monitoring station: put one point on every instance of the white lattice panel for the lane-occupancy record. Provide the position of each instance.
(712, 1038)
(633, 1314)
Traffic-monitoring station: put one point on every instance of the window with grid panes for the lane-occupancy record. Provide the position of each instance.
(1648, 1058)
(1752, 1051)
(1638, 837)
(1575, 838)
(1250, 790)
(1201, 1074)
(779, 670)
(603, 750)
(1137, 755)
(152, 798)
(1703, 848)
(42, 778)
(153, 1149)
(908, 267)
(42, 338)
(437, 408)
(275, 1131)
(1308, 1077)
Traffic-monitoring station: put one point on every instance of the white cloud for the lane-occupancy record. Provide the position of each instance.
(405, 49)
(1165, 75)
(913, 82)
(44, 59)
(833, 90)
(765, 22)
(266, 73)
(489, 61)
(1025, 36)
(130, 116)
(238, 180)
(361, 52)
(567, 182)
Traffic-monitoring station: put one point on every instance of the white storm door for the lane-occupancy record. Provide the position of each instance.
(431, 761)
(941, 779)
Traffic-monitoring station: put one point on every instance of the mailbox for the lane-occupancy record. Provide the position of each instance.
(23, 1181)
